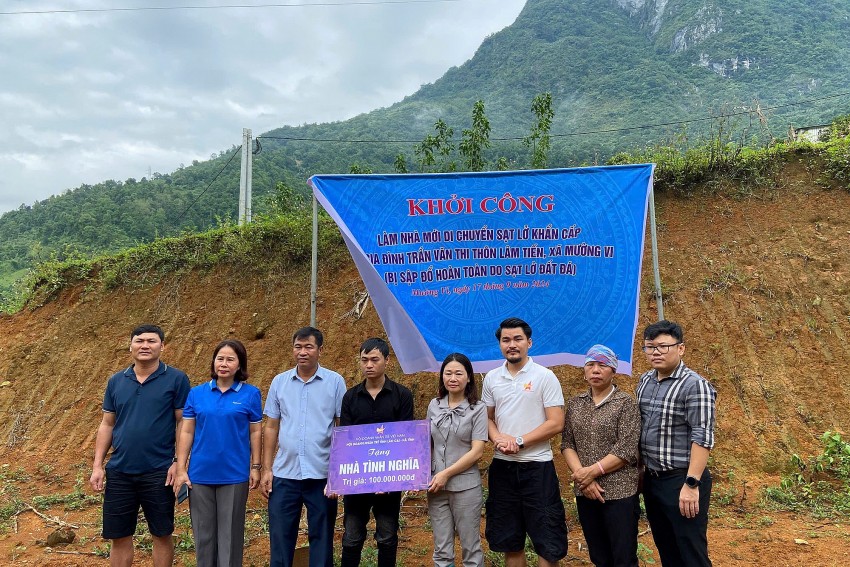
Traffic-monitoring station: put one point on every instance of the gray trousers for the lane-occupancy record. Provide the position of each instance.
(218, 523)
(456, 513)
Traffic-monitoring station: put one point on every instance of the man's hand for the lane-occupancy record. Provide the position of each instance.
(96, 480)
(266, 483)
(331, 495)
(505, 444)
(172, 472)
(689, 501)
(594, 492)
(254, 479)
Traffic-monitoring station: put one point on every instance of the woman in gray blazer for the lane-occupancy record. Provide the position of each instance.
(458, 433)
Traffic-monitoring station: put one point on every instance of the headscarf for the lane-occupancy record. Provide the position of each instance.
(603, 354)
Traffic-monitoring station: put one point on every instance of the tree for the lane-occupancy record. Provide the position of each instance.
(357, 169)
(285, 199)
(400, 164)
(538, 139)
(476, 139)
(436, 145)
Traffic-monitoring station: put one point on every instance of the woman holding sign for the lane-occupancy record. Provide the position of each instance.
(458, 434)
(600, 444)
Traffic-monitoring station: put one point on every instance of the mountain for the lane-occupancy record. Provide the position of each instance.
(614, 68)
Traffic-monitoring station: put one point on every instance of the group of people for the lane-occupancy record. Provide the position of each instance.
(167, 438)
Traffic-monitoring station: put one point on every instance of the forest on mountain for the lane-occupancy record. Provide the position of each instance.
(623, 75)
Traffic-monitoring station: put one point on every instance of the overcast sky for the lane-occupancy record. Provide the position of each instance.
(89, 96)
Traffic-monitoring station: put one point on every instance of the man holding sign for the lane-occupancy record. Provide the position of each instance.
(525, 408)
(375, 400)
(301, 410)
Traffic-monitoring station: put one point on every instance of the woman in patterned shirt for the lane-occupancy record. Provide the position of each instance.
(600, 444)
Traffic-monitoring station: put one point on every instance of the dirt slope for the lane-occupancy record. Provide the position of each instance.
(760, 283)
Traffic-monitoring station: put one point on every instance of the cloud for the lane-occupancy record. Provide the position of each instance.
(111, 95)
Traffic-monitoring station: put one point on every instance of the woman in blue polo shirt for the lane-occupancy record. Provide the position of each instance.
(221, 424)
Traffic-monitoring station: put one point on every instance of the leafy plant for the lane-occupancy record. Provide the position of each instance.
(539, 139)
(819, 484)
(645, 555)
(476, 139)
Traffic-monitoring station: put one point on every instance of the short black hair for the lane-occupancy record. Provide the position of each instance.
(375, 343)
(147, 328)
(513, 323)
(306, 333)
(241, 354)
(664, 327)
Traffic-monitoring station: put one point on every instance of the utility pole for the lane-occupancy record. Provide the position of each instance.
(245, 176)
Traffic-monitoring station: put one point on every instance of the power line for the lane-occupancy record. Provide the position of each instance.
(568, 134)
(198, 198)
(225, 7)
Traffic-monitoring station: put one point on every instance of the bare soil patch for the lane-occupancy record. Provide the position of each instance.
(760, 281)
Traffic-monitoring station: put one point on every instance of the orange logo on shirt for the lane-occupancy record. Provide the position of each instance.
(527, 386)
(380, 430)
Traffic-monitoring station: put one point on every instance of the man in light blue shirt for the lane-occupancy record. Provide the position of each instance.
(302, 408)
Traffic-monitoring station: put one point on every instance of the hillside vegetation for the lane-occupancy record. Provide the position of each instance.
(754, 263)
(622, 74)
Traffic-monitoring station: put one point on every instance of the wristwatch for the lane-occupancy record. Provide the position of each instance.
(693, 481)
(519, 442)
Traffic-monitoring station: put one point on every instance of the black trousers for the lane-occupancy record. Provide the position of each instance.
(681, 541)
(610, 530)
(386, 508)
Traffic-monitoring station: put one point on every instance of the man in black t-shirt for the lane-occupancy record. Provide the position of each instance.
(375, 400)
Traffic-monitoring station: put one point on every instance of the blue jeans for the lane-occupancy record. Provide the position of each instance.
(386, 508)
(285, 503)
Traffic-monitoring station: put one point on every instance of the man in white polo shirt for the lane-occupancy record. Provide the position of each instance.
(525, 409)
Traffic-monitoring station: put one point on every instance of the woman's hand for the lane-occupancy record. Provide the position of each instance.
(594, 492)
(438, 482)
(181, 477)
(584, 476)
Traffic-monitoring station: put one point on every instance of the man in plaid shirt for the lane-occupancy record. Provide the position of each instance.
(677, 408)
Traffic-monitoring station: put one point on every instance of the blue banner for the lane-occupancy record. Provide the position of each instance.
(446, 257)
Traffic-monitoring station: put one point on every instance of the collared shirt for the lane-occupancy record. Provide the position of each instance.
(675, 412)
(612, 427)
(520, 404)
(221, 448)
(393, 403)
(306, 411)
(452, 432)
(145, 426)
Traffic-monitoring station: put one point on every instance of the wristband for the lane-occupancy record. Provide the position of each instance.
(598, 464)
(174, 460)
(257, 466)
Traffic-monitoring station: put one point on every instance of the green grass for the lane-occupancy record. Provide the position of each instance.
(77, 499)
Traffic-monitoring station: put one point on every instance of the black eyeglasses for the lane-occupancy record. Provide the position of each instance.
(663, 349)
